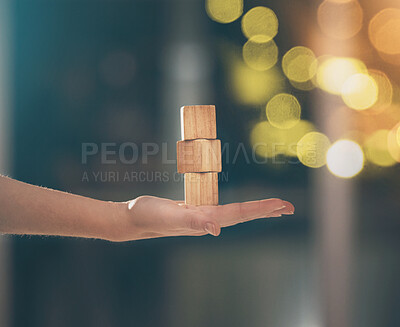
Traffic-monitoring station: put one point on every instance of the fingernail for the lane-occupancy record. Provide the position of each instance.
(288, 210)
(276, 216)
(210, 229)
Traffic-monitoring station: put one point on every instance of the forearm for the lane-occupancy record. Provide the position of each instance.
(28, 209)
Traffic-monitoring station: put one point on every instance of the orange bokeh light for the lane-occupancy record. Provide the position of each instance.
(384, 31)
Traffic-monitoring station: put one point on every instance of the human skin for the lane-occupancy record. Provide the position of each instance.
(33, 210)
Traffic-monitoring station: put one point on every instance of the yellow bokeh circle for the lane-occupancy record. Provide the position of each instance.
(260, 24)
(312, 149)
(398, 135)
(268, 141)
(385, 91)
(260, 56)
(224, 11)
(393, 144)
(345, 159)
(293, 135)
(333, 72)
(299, 64)
(360, 91)
(303, 86)
(283, 111)
(377, 150)
(252, 87)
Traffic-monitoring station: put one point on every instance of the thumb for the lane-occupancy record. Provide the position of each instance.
(201, 222)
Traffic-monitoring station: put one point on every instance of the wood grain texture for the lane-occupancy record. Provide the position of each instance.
(201, 188)
(197, 156)
(198, 122)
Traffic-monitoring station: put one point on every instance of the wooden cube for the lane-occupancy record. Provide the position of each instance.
(201, 188)
(198, 122)
(198, 156)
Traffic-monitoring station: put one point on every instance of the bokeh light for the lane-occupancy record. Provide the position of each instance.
(260, 24)
(360, 91)
(340, 20)
(224, 11)
(312, 149)
(385, 91)
(269, 141)
(393, 59)
(393, 144)
(299, 64)
(260, 56)
(368, 124)
(294, 134)
(303, 86)
(283, 111)
(345, 159)
(376, 149)
(384, 31)
(398, 135)
(334, 71)
(252, 87)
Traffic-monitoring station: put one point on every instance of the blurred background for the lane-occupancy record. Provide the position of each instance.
(308, 109)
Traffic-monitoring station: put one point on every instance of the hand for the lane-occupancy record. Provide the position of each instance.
(150, 217)
(28, 209)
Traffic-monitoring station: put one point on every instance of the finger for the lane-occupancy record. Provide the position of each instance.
(289, 206)
(231, 214)
(279, 213)
(273, 214)
(185, 233)
(196, 221)
(205, 223)
(268, 202)
(276, 213)
(288, 209)
(191, 233)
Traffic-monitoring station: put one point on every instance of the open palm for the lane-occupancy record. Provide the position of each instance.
(149, 217)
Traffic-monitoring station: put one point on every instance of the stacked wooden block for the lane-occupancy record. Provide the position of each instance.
(199, 154)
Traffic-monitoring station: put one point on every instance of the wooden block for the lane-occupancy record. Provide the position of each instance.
(199, 156)
(201, 188)
(198, 122)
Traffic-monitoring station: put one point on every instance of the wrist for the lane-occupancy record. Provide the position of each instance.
(114, 222)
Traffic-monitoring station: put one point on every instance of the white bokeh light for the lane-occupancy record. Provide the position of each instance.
(345, 159)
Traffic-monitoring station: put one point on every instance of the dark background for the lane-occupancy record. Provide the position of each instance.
(99, 71)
